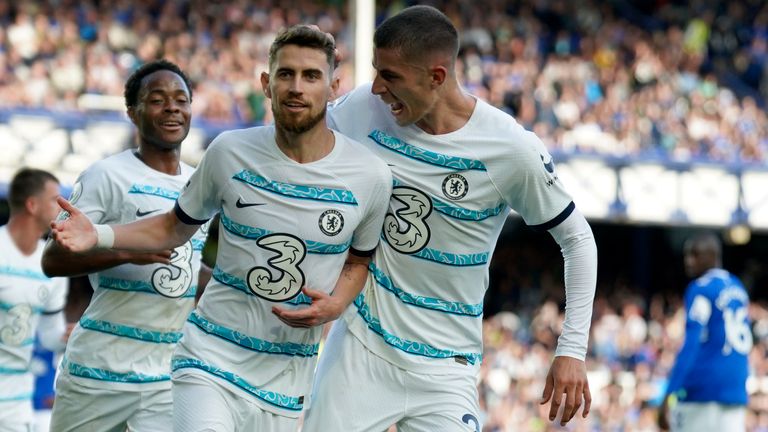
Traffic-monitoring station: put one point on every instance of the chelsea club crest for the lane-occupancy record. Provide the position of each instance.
(455, 186)
(331, 222)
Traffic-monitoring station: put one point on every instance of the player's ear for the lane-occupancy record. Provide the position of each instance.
(265, 84)
(438, 74)
(334, 87)
(131, 113)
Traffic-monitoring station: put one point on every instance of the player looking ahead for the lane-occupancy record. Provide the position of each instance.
(301, 211)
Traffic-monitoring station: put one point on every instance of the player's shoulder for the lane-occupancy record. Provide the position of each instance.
(108, 169)
(362, 156)
(242, 139)
(495, 128)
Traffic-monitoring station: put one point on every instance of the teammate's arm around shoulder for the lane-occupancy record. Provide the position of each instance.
(78, 234)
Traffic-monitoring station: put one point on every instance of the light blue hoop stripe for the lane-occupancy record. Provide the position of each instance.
(239, 284)
(130, 332)
(12, 371)
(136, 286)
(447, 258)
(81, 371)
(341, 196)
(253, 233)
(8, 306)
(21, 397)
(417, 153)
(457, 308)
(458, 212)
(197, 244)
(153, 190)
(25, 273)
(253, 343)
(405, 345)
(279, 400)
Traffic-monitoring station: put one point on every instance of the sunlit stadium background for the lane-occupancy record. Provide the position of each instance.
(655, 112)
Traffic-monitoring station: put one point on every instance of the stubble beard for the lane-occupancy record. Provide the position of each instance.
(287, 124)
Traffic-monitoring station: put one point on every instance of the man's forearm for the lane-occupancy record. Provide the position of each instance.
(351, 280)
(59, 262)
(164, 231)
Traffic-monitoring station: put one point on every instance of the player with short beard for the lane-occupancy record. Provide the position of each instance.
(301, 209)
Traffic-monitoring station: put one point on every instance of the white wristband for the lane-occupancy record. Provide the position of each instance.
(105, 236)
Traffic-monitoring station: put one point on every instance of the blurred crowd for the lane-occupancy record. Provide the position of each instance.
(680, 80)
(633, 342)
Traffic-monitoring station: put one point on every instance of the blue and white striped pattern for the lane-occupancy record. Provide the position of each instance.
(16, 398)
(12, 371)
(254, 233)
(253, 343)
(341, 196)
(130, 332)
(136, 286)
(458, 212)
(24, 273)
(451, 259)
(411, 347)
(81, 371)
(457, 308)
(279, 400)
(7, 306)
(240, 285)
(153, 190)
(426, 156)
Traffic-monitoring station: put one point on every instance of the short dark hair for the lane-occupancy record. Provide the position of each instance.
(304, 36)
(133, 85)
(26, 183)
(417, 31)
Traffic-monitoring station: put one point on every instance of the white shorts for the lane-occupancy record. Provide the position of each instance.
(706, 417)
(357, 391)
(84, 409)
(204, 404)
(16, 416)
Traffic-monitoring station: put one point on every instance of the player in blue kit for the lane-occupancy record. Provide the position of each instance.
(709, 378)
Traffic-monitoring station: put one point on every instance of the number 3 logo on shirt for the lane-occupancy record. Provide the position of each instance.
(291, 252)
(174, 279)
(416, 234)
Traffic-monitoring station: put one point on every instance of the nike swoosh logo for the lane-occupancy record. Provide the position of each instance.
(140, 213)
(549, 166)
(390, 164)
(240, 204)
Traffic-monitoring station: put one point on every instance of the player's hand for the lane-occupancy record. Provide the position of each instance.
(76, 233)
(324, 308)
(663, 419)
(144, 258)
(568, 376)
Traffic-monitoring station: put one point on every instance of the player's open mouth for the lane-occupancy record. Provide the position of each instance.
(396, 108)
(171, 125)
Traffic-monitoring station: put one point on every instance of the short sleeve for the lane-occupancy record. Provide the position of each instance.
(368, 232)
(200, 199)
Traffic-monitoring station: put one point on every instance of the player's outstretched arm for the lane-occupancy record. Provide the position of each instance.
(78, 234)
(327, 307)
(58, 261)
(567, 376)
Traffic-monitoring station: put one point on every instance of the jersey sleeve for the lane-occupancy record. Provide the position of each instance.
(94, 194)
(367, 233)
(351, 113)
(201, 197)
(698, 309)
(527, 180)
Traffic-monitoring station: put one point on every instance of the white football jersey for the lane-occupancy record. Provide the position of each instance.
(25, 294)
(127, 335)
(423, 304)
(283, 225)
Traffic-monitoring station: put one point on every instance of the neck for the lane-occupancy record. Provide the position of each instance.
(25, 233)
(163, 160)
(450, 112)
(308, 146)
